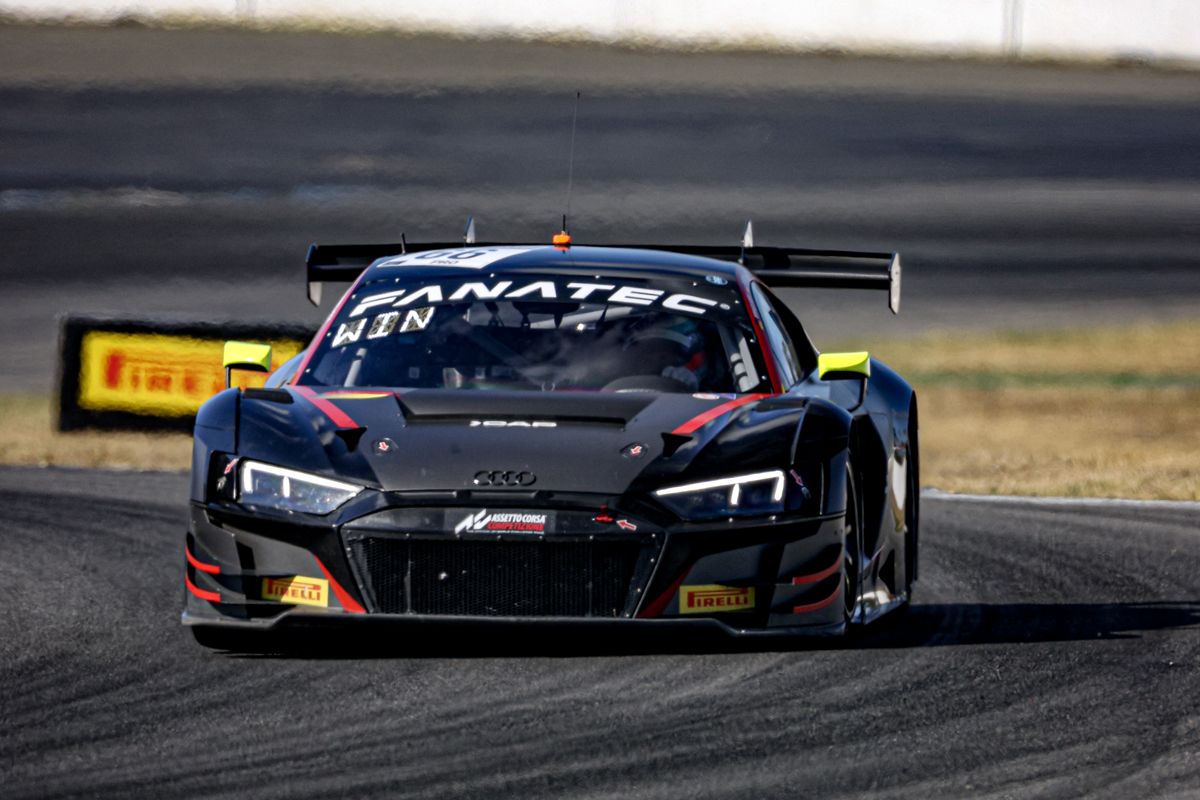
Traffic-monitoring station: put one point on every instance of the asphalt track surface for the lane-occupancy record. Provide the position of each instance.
(1054, 652)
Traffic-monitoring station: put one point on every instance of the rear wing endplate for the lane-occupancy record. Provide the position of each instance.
(778, 267)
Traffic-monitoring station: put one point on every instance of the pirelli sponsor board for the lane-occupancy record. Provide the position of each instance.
(153, 373)
(715, 599)
(158, 373)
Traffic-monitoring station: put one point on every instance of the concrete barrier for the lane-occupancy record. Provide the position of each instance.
(1151, 29)
(1090, 29)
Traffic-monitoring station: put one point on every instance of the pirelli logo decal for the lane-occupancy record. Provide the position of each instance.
(297, 590)
(715, 599)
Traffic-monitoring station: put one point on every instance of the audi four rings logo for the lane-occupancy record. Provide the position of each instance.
(497, 477)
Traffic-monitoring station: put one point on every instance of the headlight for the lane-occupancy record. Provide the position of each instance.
(268, 485)
(758, 493)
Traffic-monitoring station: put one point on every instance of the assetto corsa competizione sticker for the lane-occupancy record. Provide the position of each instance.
(484, 521)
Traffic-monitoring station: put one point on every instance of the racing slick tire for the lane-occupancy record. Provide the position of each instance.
(851, 551)
(912, 509)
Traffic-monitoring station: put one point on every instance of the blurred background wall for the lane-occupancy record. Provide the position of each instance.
(1091, 29)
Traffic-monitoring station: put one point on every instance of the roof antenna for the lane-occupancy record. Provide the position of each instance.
(563, 240)
(403, 244)
(469, 233)
(747, 241)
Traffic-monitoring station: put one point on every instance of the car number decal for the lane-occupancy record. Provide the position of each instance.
(467, 258)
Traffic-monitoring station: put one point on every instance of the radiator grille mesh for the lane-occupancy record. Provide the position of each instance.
(497, 578)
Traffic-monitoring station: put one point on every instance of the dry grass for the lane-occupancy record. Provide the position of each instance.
(1153, 352)
(27, 436)
(1092, 442)
(1096, 413)
(1109, 412)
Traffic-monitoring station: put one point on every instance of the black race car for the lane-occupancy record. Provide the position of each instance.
(631, 436)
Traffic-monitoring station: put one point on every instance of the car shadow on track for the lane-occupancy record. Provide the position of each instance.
(922, 626)
(511, 642)
(950, 624)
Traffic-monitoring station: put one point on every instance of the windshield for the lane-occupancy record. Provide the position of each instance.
(543, 333)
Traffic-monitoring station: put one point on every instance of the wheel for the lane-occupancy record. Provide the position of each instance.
(912, 508)
(851, 549)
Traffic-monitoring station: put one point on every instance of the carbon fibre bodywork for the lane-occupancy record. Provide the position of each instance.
(545, 507)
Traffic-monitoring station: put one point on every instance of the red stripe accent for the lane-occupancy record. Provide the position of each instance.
(656, 608)
(211, 569)
(817, 606)
(800, 580)
(348, 602)
(312, 346)
(335, 414)
(763, 346)
(700, 420)
(212, 597)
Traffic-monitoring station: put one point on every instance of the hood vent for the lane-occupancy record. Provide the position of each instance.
(672, 442)
(422, 406)
(351, 436)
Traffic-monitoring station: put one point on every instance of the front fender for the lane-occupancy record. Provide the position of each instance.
(215, 432)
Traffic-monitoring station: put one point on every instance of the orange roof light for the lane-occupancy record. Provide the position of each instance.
(561, 240)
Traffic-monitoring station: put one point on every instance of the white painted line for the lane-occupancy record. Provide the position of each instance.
(1064, 502)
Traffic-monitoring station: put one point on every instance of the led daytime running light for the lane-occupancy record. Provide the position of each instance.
(288, 475)
(269, 486)
(735, 483)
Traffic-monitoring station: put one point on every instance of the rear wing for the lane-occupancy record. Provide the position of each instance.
(794, 267)
(778, 267)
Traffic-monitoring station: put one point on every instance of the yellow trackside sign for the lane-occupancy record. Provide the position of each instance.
(158, 374)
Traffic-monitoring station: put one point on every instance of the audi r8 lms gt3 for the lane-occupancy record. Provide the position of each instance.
(629, 436)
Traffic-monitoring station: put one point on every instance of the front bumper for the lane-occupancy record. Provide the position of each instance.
(406, 566)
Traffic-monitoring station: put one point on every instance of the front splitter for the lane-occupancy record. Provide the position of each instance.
(300, 619)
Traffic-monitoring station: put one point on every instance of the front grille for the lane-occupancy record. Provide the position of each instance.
(496, 578)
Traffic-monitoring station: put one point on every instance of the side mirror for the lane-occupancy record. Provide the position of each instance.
(246, 355)
(843, 366)
(846, 367)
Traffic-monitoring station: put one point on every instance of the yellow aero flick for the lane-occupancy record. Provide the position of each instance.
(835, 365)
(247, 355)
(157, 374)
(297, 590)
